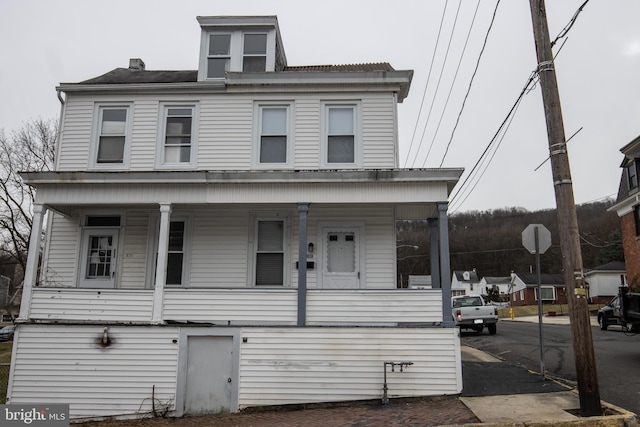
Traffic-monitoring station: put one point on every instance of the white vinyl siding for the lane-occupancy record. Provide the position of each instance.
(134, 269)
(61, 257)
(225, 129)
(305, 365)
(66, 364)
(92, 304)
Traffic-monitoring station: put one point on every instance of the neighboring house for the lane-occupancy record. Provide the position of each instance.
(603, 281)
(627, 207)
(524, 289)
(501, 284)
(465, 283)
(225, 238)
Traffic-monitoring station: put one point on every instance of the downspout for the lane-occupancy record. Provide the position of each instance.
(59, 135)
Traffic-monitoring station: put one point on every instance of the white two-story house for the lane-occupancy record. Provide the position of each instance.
(224, 238)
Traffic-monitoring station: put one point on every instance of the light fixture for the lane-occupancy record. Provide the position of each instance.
(310, 249)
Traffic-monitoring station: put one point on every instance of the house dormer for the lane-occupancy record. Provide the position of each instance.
(239, 44)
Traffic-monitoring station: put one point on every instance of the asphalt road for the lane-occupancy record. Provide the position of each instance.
(617, 356)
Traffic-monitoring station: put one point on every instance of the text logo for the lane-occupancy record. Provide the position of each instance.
(38, 415)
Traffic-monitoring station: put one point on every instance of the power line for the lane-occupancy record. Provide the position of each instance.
(433, 99)
(455, 76)
(424, 93)
(464, 101)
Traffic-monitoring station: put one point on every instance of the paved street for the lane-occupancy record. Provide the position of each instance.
(616, 355)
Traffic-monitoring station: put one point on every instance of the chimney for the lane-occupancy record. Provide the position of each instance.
(136, 64)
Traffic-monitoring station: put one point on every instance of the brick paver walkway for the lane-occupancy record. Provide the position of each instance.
(433, 411)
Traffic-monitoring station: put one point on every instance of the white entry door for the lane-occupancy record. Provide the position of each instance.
(341, 258)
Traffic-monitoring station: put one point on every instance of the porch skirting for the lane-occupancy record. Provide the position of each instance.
(128, 371)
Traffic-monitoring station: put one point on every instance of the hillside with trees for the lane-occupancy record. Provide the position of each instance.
(491, 241)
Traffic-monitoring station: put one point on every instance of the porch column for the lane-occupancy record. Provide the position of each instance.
(445, 268)
(434, 253)
(303, 209)
(33, 258)
(161, 266)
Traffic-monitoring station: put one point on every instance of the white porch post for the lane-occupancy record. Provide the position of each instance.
(445, 268)
(434, 253)
(161, 266)
(33, 258)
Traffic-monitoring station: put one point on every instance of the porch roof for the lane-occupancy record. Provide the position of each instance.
(406, 188)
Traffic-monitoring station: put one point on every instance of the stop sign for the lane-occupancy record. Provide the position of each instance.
(529, 238)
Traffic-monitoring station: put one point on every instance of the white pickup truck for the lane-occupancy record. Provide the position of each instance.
(470, 312)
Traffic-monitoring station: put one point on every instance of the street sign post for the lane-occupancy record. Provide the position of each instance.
(537, 239)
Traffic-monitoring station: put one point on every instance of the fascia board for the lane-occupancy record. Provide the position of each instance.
(448, 175)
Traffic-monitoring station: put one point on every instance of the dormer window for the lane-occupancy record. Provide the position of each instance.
(219, 55)
(632, 175)
(239, 45)
(255, 53)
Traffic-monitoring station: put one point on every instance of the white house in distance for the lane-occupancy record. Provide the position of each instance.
(604, 281)
(224, 238)
(501, 284)
(465, 283)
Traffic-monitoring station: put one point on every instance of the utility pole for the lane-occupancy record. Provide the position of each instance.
(585, 360)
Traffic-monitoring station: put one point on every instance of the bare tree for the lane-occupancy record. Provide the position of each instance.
(30, 148)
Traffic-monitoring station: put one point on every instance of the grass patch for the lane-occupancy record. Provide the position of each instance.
(5, 351)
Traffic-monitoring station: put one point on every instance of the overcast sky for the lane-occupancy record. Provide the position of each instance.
(44, 43)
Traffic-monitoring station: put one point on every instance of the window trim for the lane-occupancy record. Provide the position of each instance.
(153, 236)
(85, 232)
(164, 108)
(258, 107)
(98, 112)
(285, 217)
(356, 105)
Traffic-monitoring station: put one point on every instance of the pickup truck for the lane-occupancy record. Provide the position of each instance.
(470, 312)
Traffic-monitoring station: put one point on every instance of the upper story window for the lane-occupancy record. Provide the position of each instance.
(219, 55)
(341, 140)
(178, 135)
(632, 175)
(110, 147)
(255, 53)
(273, 135)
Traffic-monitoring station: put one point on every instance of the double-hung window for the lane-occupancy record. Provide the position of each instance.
(177, 250)
(218, 55)
(341, 140)
(548, 293)
(112, 135)
(270, 252)
(273, 145)
(178, 137)
(254, 57)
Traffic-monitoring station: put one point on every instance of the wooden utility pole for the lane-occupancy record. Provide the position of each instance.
(585, 360)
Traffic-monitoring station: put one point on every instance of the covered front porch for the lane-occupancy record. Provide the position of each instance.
(334, 248)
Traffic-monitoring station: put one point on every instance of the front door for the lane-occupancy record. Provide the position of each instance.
(341, 258)
(209, 374)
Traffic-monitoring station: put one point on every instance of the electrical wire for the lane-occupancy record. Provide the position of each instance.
(424, 93)
(453, 82)
(435, 94)
(509, 118)
(464, 101)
